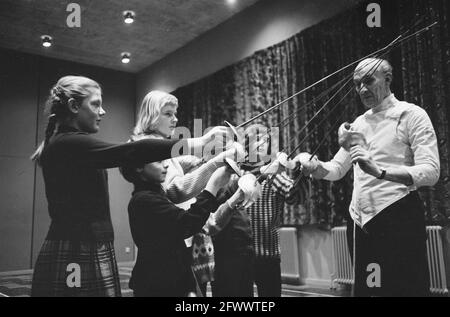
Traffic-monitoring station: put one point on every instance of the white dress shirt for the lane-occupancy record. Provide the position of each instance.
(401, 136)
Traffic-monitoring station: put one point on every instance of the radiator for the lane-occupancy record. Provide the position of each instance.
(343, 272)
(290, 260)
(436, 264)
(343, 269)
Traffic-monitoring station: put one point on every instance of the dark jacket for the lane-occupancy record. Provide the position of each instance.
(236, 238)
(76, 182)
(159, 228)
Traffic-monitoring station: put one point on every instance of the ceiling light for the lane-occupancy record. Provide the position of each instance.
(128, 16)
(231, 2)
(47, 40)
(126, 57)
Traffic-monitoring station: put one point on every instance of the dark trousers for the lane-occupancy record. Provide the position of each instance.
(203, 287)
(233, 276)
(268, 276)
(172, 278)
(391, 251)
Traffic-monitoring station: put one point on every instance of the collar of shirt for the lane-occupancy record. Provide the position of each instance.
(142, 185)
(387, 104)
(66, 128)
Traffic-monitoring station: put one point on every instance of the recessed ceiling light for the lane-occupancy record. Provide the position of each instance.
(231, 2)
(128, 16)
(47, 40)
(126, 57)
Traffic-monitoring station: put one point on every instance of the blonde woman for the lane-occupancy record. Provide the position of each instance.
(157, 119)
(74, 168)
(186, 176)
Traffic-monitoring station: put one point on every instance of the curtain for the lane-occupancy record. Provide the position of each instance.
(248, 87)
(426, 82)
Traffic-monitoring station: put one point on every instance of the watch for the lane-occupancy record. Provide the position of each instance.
(382, 175)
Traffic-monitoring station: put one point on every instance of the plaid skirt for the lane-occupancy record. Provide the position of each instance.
(76, 268)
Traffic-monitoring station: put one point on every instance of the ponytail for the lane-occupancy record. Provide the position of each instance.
(77, 87)
(49, 131)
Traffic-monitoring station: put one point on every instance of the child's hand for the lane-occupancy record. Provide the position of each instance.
(308, 165)
(271, 168)
(236, 199)
(251, 188)
(218, 179)
(236, 152)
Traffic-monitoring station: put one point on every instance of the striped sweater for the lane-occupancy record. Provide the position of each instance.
(186, 177)
(183, 183)
(266, 212)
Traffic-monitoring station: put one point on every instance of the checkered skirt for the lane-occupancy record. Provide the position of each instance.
(55, 272)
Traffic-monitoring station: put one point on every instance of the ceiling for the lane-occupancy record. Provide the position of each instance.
(161, 27)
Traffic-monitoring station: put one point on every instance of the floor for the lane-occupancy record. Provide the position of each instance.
(18, 284)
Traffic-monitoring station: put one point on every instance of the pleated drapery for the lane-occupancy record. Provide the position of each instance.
(246, 88)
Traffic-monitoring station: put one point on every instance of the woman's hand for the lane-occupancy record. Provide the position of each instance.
(220, 135)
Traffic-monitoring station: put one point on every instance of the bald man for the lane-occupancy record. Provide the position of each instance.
(398, 155)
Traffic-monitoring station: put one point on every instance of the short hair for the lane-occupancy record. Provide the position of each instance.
(130, 173)
(150, 110)
(254, 132)
(383, 65)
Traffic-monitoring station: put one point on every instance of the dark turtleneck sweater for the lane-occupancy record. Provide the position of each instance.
(76, 182)
(159, 228)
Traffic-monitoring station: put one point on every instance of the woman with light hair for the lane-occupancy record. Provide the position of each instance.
(81, 238)
(157, 119)
(186, 175)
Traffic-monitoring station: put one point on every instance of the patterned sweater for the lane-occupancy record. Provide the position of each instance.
(265, 214)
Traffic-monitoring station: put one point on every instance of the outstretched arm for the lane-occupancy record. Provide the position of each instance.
(180, 188)
(332, 170)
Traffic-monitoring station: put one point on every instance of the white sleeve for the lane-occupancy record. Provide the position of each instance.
(219, 219)
(338, 166)
(423, 142)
